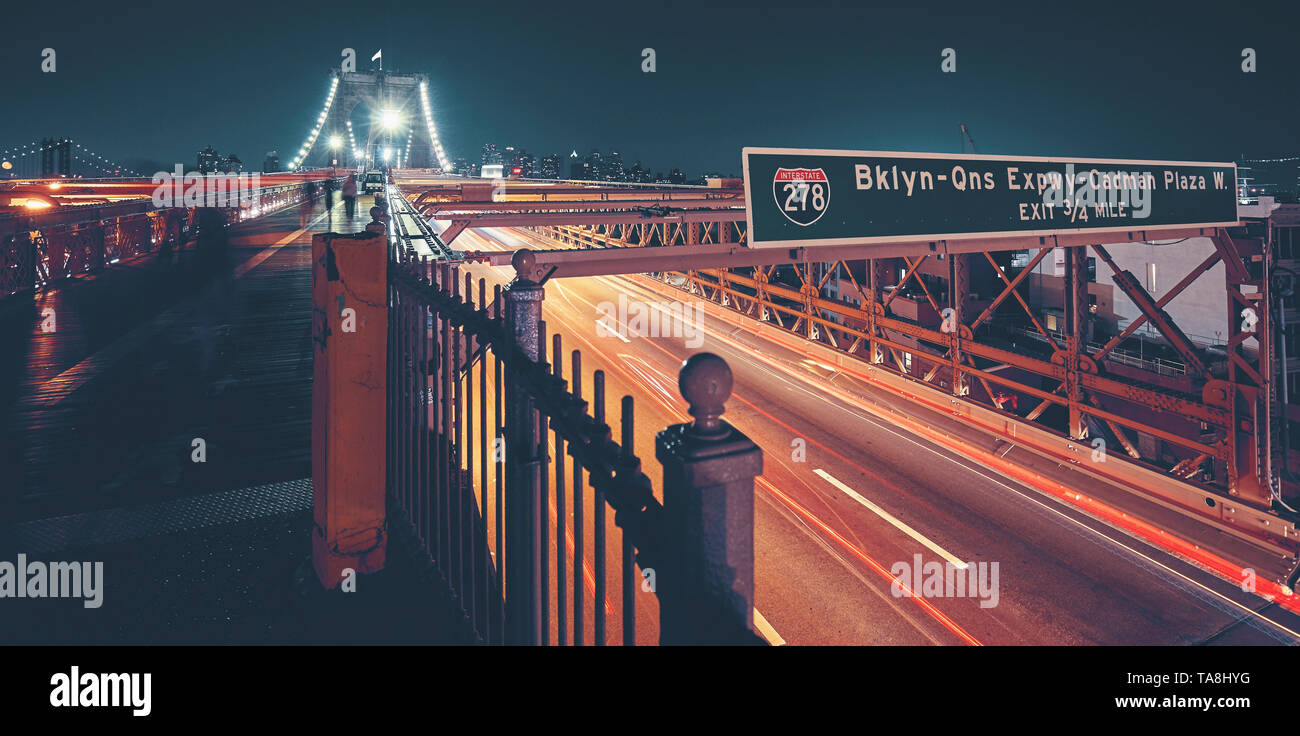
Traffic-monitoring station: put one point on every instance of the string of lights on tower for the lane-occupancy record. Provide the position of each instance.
(443, 162)
(352, 141)
(13, 157)
(315, 132)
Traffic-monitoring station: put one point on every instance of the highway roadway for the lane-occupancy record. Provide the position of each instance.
(847, 495)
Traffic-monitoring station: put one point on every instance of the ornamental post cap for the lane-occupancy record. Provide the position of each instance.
(525, 263)
(705, 382)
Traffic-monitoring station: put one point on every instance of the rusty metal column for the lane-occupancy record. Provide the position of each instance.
(810, 293)
(706, 589)
(760, 292)
(1272, 372)
(1076, 316)
(523, 492)
(959, 291)
(349, 389)
(875, 280)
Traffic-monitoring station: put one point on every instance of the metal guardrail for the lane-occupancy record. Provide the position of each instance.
(408, 173)
(38, 249)
(1152, 364)
(481, 419)
(402, 215)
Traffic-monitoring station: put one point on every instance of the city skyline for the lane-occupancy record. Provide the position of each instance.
(611, 167)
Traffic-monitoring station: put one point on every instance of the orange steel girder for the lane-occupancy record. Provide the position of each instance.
(1229, 410)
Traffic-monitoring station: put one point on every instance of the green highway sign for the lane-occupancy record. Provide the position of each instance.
(801, 197)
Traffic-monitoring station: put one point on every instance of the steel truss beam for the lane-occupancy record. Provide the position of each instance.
(543, 192)
(437, 208)
(1213, 431)
(1210, 428)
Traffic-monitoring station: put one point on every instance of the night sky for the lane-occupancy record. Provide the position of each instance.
(1161, 81)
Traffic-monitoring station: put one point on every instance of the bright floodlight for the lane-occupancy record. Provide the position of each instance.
(388, 154)
(390, 119)
(335, 142)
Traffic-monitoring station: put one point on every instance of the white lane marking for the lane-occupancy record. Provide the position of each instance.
(765, 629)
(904, 528)
(884, 424)
(609, 331)
(801, 383)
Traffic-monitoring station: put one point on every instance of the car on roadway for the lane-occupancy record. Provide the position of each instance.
(374, 182)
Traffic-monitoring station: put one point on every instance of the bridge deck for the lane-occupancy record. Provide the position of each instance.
(100, 417)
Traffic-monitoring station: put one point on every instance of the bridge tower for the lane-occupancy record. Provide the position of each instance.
(400, 106)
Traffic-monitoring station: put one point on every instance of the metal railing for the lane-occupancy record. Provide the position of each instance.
(504, 471)
(1153, 364)
(40, 249)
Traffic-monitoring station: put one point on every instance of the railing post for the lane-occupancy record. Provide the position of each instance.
(350, 342)
(706, 589)
(523, 492)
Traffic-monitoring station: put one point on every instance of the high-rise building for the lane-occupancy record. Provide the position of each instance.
(233, 164)
(490, 154)
(526, 163)
(209, 160)
(595, 166)
(614, 167)
(639, 174)
(551, 167)
(271, 163)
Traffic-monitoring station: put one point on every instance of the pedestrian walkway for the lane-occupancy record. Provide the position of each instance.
(163, 427)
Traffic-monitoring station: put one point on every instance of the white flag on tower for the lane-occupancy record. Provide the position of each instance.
(378, 55)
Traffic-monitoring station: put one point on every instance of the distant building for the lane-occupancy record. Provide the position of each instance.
(461, 167)
(490, 154)
(550, 168)
(233, 164)
(614, 167)
(595, 166)
(639, 174)
(209, 160)
(271, 163)
(526, 163)
(1276, 178)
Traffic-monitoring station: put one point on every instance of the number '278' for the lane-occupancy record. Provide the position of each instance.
(799, 195)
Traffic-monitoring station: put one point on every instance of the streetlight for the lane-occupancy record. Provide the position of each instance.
(390, 119)
(336, 142)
